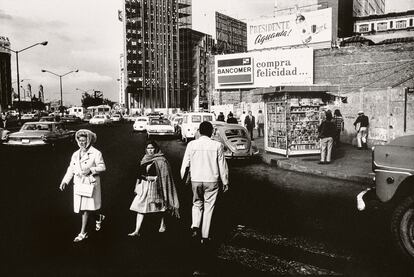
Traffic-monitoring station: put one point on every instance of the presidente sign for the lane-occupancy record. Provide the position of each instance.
(264, 68)
(289, 30)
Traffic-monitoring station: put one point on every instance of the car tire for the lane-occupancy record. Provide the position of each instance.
(402, 227)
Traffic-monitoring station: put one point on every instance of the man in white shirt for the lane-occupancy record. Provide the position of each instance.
(208, 166)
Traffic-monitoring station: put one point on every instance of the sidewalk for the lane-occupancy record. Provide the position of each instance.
(348, 163)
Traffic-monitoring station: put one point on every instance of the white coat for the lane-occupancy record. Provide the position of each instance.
(94, 161)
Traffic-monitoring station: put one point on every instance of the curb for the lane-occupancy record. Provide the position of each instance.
(283, 163)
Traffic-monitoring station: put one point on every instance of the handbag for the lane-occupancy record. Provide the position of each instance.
(187, 176)
(85, 188)
(137, 186)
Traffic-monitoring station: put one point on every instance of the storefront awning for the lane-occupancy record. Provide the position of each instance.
(313, 88)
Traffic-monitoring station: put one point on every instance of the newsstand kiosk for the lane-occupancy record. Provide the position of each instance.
(291, 122)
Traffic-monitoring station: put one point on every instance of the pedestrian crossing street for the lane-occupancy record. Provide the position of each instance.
(279, 255)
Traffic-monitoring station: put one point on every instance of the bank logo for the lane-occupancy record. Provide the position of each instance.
(235, 71)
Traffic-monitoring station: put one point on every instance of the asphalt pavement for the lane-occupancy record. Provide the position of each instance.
(271, 221)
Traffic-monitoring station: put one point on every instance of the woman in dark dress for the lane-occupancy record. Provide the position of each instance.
(155, 189)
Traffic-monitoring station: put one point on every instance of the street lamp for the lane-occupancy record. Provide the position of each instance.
(44, 43)
(60, 81)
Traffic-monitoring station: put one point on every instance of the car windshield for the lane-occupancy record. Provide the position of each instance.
(38, 126)
(141, 119)
(160, 121)
(99, 116)
(235, 133)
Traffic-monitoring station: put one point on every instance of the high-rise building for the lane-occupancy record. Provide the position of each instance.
(195, 51)
(5, 75)
(185, 12)
(231, 34)
(151, 53)
(342, 24)
(368, 7)
(123, 97)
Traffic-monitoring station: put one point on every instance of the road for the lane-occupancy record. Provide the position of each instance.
(270, 222)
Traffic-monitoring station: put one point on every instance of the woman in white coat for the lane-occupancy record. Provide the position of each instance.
(85, 166)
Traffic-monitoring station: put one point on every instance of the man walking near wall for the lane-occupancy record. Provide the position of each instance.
(361, 126)
(249, 123)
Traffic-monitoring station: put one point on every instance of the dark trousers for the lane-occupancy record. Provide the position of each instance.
(250, 130)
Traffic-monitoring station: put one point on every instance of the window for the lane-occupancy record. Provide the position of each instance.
(401, 24)
(411, 22)
(363, 28)
(391, 25)
(382, 26)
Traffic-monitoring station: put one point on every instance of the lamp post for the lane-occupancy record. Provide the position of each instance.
(60, 82)
(17, 67)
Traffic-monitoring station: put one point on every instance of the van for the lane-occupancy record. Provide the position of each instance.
(77, 111)
(191, 122)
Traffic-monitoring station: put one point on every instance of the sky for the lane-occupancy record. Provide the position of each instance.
(87, 35)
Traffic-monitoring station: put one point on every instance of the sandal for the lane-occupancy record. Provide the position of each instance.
(81, 237)
(98, 222)
(134, 234)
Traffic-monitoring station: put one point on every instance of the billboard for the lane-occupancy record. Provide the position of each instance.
(290, 30)
(266, 68)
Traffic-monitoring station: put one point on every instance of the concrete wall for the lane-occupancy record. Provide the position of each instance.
(385, 110)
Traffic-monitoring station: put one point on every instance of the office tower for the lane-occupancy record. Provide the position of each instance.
(151, 52)
(5, 75)
(231, 34)
(195, 51)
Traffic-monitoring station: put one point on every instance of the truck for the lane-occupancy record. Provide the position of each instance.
(393, 190)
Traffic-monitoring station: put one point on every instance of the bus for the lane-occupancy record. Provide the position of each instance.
(101, 109)
(77, 111)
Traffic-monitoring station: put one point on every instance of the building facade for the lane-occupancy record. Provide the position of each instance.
(368, 7)
(386, 26)
(231, 34)
(122, 95)
(195, 50)
(5, 75)
(151, 53)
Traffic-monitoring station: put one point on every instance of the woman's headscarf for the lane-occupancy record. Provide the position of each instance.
(90, 137)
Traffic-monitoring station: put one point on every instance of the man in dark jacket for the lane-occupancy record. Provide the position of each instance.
(327, 131)
(249, 123)
(361, 126)
(231, 119)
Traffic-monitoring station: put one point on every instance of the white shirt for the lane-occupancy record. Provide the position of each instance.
(206, 160)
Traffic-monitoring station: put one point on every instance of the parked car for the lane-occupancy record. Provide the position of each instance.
(141, 123)
(116, 118)
(28, 117)
(393, 190)
(3, 134)
(50, 119)
(87, 117)
(132, 117)
(235, 139)
(40, 133)
(191, 122)
(71, 119)
(100, 119)
(159, 127)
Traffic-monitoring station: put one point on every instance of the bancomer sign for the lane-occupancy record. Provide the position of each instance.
(264, 69)
(289, 30)
(235, 71)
